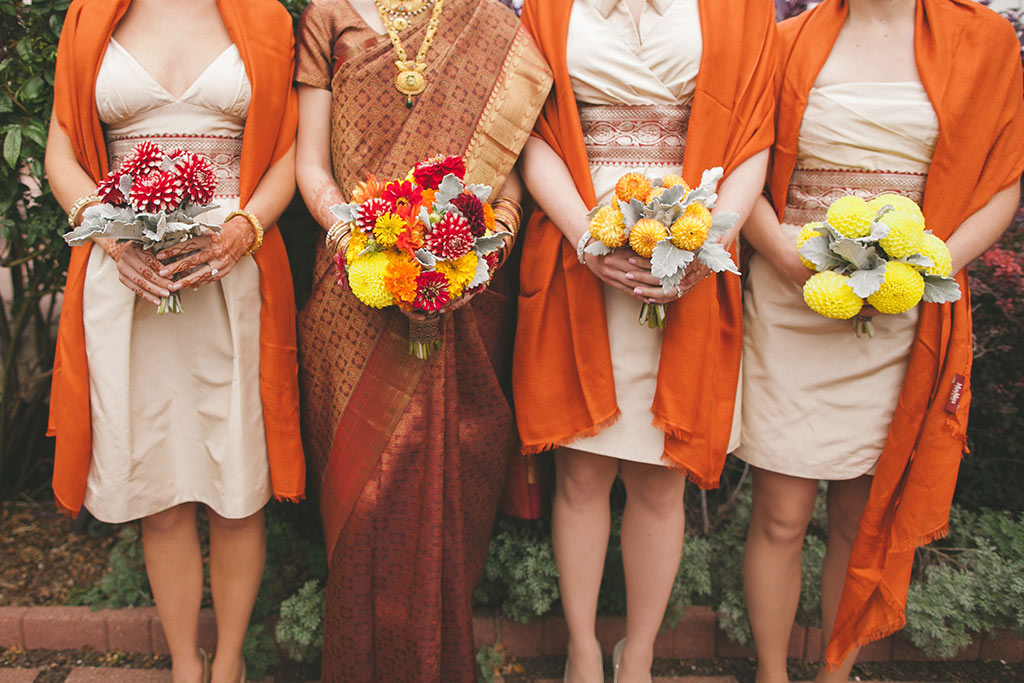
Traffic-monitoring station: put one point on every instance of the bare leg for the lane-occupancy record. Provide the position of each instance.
(237, 556)
(652, 543)
(846, 501)
(580, 526)
(174, 565)
(782, 509)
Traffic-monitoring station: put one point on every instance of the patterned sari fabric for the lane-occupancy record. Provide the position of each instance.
(408, 455)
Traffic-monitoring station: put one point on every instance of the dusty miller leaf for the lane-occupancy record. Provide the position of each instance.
(672, 195)
(667, 259)
(485, 245)
(669, 282)
(631, 212)
(598, 248)
(816, 250)
(919, 260)
(866, 282)
(482, 192)
(714, 256)
(721, 223)
(343, 212)
(940, 290)
(426, 259)
(854, 252)
(482, 274)
(449, 189)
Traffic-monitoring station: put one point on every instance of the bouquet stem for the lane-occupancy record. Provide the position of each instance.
(169, 304)
(652, 315)
(863, 324)
(424, 337)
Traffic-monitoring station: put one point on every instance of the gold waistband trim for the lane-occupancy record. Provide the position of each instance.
(643, 135)
(812, 190)
(223, 152)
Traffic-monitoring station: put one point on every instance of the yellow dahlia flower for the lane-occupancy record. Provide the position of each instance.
(901, 290)
(807, 232)
(829, 294)
(896, 201)
(459, 272)
(691, 229)
(633, 186)
(387, 228)
(935, 249)
(607, 227)
(671, 180)
(645, 234)
(366, 277)
(851, 216)
(906, 231)
(356, 243)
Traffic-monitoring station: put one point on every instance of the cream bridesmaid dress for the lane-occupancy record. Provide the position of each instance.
(176, 409)
(818, 400)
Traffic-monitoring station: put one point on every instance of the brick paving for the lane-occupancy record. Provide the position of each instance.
(18, 675)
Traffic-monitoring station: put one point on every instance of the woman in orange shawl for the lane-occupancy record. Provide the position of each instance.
(153, 414)
(668, 87)
(921, 98)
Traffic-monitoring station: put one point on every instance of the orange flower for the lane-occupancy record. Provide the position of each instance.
(367, 189)
(488, 216)
(633, 186)
(428, 198)
(400, 278)
(645, 234)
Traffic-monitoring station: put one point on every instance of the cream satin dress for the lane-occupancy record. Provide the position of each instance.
(176, 409)
(616, 66)
(817, 400)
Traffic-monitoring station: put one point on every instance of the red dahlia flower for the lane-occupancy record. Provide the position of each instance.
(157, 192)
(430, 173)
(341, 277)
(143, 160)
(369, 211)
(450, 238)
(197, 177)
(472, 209)
(109, 192)
(431, 291)
(401, 194)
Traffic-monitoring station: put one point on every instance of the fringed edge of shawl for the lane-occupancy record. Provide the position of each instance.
(918, 541)
(879, 633)
(697, 480)
(282, 498)
(677, 433)
(593, 430)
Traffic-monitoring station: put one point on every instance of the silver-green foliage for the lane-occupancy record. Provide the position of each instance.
(300, 632)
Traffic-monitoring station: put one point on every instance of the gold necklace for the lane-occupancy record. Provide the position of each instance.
(399, 11)
(410, 80)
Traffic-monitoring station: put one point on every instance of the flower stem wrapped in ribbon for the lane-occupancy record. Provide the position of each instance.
(420, 243)
(877, 252)
(152, 198)
(664, 220)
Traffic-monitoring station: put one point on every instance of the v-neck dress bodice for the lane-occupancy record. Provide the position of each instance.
(633, 82)
(175, 402)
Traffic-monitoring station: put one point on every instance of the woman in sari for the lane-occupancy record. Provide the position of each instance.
(148, 426)
(408, 454)
(663, 86)
(920, 98)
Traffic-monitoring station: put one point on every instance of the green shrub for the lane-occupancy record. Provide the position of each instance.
(126, 584)
(300, 632)
(259, 652)
(520, 575)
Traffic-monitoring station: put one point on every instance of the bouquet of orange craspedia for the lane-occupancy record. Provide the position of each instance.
(419, 243)
(876, 251)
(664, 220)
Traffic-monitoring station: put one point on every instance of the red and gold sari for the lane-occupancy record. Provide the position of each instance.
(408, 455)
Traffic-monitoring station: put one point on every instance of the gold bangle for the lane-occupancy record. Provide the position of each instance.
(257, 227)
(336, 233)
(77, 207)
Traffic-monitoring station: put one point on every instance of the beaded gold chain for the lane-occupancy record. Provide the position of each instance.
(410, 80)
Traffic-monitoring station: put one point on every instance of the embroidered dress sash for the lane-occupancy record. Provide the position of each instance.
(812, 190)
(637, 136)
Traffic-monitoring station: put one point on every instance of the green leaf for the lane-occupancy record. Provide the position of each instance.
(32, 88)
(12, 147)
(35, 132)
(6, 104)
(24, 49)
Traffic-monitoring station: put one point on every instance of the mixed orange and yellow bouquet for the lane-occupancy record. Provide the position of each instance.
(876, 252)
(663, 219)
(419, 243)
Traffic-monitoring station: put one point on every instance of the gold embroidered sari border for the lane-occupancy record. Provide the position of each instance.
(812, 190)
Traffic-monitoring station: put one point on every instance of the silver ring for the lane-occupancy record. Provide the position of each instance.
(679, 292)
(213, 272)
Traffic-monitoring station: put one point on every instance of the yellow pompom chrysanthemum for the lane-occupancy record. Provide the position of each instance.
(691, 229)
(366, 277)
(807, 232)
(645, 234)
(901, 290)
(906, 231)
(607, 227)
(633, 186)
(851, 216)
(459, 272)
(829, 294)
(655, 192)
(387, 228)
(896, 201)
(935, 249)
(672, 179)
(356, 243)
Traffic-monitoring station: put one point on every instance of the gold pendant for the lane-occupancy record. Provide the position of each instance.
(399, 23)
(410, 80)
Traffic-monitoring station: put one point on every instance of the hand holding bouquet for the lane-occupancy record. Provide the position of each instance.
(878, 251)
(151, 199)
(666, 221)
(420, 243)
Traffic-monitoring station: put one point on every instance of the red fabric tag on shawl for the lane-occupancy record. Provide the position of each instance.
(955, 393)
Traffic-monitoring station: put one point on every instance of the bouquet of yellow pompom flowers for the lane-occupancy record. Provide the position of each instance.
(876, 251)
(664, 220)
(419, 243)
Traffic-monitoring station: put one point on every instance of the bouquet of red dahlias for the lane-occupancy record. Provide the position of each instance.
(152, 198)
(419, 243)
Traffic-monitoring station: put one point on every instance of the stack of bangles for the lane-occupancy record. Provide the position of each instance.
(80, 205)
(508, 215)
(257, 227)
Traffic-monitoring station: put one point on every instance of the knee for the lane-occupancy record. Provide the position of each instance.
(661, 489)
(582, 484)
(171, 520)
(779, 529)
(227, 525)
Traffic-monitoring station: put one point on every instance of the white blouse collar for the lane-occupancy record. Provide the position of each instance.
(605, 7)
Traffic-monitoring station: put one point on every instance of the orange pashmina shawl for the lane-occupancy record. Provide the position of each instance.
(969, 61)
(262, 31)
(562, 373)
